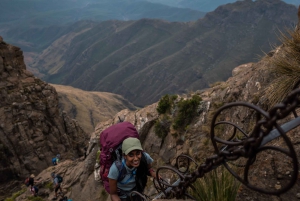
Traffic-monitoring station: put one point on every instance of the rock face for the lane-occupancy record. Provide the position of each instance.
(32, 131)
(248, 84)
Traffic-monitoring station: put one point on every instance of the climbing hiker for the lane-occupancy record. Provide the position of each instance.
(30, 180)
(57, 180)
(132, 176)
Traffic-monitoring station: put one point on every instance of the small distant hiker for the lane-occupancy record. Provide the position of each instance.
(55, 160)
(30, 180)
(57, 180)
(34, 190)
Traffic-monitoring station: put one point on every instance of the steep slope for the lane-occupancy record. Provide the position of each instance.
(248, 83)
(90, 108)
(32, 130)
(166, 57)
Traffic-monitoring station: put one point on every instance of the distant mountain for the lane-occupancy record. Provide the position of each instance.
(201, 5)
(143, 60)
(33, 13)
(205, 5)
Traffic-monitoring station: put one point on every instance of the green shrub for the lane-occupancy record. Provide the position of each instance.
(187, 110)
(162, 127)
(165, 103)
(173, 98)
(218, 185)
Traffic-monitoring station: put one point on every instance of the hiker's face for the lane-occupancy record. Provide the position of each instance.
(133, 158)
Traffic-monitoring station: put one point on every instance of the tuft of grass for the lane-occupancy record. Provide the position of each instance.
(33, 198)
(217, 185)
(98, 156)
(15, 195)
(286, 69)
(49, 185)
(103, 195)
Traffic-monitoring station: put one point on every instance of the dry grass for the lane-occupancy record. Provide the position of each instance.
(285, 67)
(217, 185)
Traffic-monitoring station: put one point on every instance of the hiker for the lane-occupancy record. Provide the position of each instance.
(56, 181)
(55, 159)
(138, 166)
(34, 190)
(30, 180)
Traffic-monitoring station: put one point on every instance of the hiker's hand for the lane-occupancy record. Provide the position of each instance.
(114, 197)
(153, 174)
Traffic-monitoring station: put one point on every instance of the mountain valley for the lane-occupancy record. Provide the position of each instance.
(163, 57)
(77, 79)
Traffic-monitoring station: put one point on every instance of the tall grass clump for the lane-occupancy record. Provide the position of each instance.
(217, 185)
(285, 65)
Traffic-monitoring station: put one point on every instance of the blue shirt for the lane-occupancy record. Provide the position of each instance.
(55, 180)
(128, 182)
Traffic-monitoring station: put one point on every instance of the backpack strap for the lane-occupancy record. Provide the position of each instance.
(123, 172)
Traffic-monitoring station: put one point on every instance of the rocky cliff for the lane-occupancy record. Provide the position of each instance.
(32, 131)
(249, 83)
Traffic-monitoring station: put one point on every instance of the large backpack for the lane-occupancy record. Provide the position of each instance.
(36, 189)
(111, 149)
(59, 178)
(54, 161)
(27, 181)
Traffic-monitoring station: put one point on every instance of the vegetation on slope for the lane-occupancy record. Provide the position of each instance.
(286, 69)
(217, 185)
(175, 114)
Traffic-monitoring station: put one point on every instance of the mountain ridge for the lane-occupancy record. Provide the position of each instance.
(190, 57)
(249, 83)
